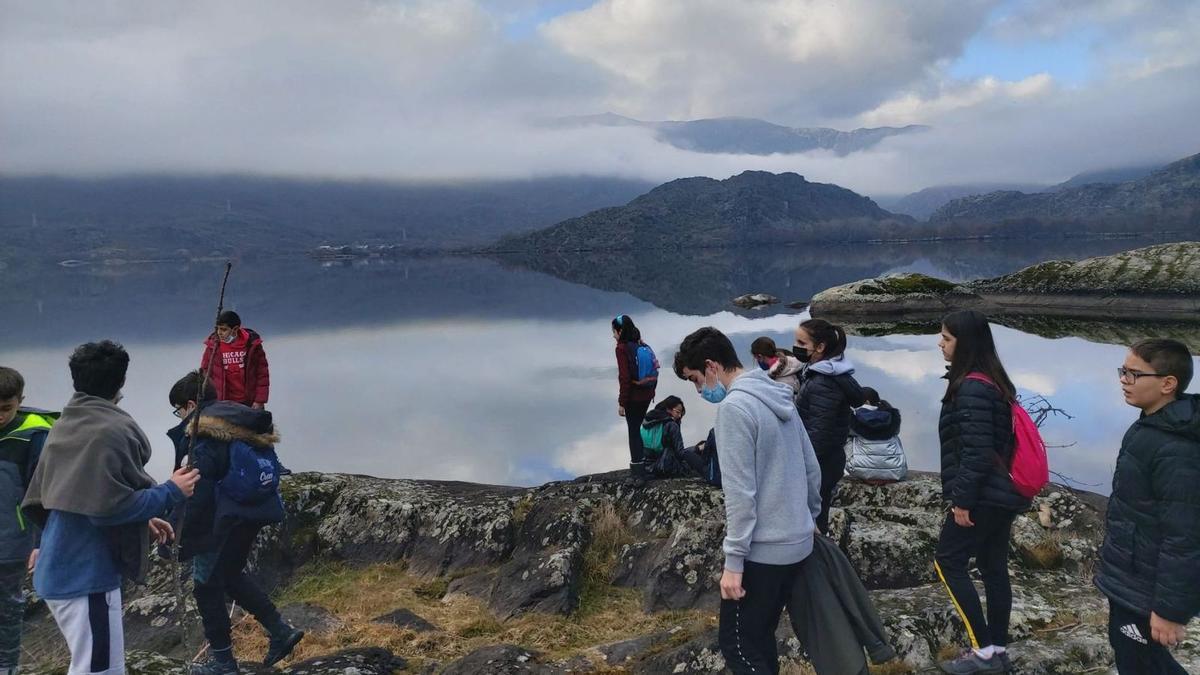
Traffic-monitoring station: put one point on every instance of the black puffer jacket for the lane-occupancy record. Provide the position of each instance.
(976, 434)
(828, 395)
(1150, 560)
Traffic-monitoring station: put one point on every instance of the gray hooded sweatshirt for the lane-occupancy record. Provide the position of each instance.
(769, 474)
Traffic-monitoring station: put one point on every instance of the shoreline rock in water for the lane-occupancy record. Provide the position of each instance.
(529, 556)
(1157, 282)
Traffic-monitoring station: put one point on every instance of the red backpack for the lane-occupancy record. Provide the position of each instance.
(1030, 468)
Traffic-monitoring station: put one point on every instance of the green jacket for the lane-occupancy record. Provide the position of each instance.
(20, 446)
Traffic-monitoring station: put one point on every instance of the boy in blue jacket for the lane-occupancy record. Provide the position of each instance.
(97, 508)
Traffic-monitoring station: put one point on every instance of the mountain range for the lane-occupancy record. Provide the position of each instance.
(923, 203)
(1164, 199)
(745, 135)
(149, 216)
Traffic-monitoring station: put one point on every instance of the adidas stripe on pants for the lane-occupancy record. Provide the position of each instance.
(1136, 653)
(91, 625)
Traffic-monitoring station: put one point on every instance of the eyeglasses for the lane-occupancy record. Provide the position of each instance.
(179, 412)
(1126, 375)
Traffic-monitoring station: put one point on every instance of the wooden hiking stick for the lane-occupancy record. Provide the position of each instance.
(201, 385)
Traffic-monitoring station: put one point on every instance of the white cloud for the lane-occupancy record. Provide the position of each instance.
(792, 60)
(1038, 383)
(951, 97)
(908, 365)
(427, 89)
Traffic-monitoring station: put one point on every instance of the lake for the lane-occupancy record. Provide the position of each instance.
(465, 368)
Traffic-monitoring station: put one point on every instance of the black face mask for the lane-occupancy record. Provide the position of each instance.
(801, 353)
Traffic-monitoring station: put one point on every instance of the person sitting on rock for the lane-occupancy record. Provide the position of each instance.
(780, 365)
(1150, 560)
(662, 440)
(772, 484)
(222, 523)
(874, 452)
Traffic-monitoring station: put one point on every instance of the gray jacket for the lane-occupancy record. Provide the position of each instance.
(832, 614)
(769, 474)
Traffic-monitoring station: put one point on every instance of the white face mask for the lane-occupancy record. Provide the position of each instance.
(229, 340)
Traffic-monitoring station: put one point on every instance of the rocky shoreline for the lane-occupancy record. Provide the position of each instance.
(595, 575)
(1153, 283)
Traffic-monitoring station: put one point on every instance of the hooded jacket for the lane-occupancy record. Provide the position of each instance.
(672, 437)
(976, 433)
(240, 371)
(828, 395)
(1150, 559)
(210, 515)
(769, 474)
(874, 451)
(21, 443)
(787, 371)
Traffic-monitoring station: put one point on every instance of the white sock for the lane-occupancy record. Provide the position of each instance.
(986, 652)
(999, 649)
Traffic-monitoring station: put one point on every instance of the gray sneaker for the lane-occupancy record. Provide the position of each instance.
(970, 663)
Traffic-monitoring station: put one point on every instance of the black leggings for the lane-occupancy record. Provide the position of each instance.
(987, 542)
(228, 578)
(833, 467)
(747, 631)
(635, 412)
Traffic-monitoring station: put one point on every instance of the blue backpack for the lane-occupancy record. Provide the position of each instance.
(253, 475)
(645, 366)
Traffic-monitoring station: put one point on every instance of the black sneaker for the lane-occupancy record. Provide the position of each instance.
(970, 663)
(1005, 661)
(215, 667)
(281, 645)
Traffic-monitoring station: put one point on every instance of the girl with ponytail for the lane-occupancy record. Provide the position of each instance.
(633, 395)
(827, 399)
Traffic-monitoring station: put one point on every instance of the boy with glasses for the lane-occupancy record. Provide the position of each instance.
(1150, 561)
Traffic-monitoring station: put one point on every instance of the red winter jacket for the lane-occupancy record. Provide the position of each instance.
(239, 371)
(626, 356)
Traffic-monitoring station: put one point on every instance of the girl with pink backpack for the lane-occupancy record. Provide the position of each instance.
(990, 456)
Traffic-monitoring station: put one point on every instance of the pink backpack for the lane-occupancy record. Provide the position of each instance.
(1030, 469)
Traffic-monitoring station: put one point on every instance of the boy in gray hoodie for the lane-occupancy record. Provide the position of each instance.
(772, 486)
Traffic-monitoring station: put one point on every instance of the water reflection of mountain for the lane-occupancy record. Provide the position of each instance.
(703, 281)
(51, 305)
(1092, 330)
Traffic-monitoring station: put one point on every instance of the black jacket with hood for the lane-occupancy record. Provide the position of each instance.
(1150, 560)
(209, 513)
(671, 435)
(828, 395)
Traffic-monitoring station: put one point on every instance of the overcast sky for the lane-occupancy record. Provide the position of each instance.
(1015, 90)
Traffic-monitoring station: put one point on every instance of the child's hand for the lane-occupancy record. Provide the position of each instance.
(33, 556)
(1164, 632)
(160, 530)
(185, 478)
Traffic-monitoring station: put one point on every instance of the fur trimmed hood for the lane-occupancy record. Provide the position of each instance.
(226, 421)
(223, 430)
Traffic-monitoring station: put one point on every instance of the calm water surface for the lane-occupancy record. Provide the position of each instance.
(469, 369)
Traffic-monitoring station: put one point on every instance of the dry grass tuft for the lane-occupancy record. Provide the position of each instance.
(609, 535)
(1047, 554)
(794, 668)
(358, 595)
(893, 667)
